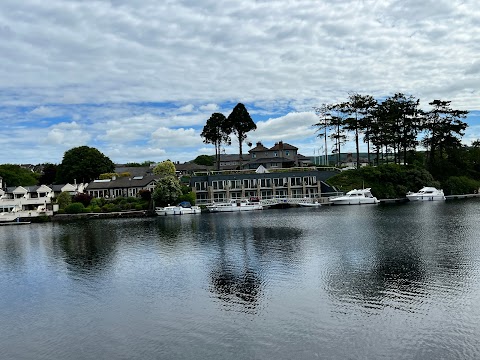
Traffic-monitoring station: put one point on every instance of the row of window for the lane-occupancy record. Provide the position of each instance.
(255, 183)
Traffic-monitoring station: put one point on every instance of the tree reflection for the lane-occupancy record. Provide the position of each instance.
(88, 246)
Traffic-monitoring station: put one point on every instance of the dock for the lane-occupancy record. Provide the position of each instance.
(6, 223)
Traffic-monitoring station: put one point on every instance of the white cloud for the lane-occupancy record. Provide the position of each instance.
(121, 70)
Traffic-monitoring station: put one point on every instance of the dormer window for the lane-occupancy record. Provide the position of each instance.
(275, 154)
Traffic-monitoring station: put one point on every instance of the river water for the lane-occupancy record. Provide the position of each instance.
(356, 282)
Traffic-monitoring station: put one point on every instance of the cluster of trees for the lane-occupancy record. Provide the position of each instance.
(397, 126)
(218, 129)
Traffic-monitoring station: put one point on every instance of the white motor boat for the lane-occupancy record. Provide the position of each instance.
(355, 197)
(234, 205)
(181, 209)
(310, 204)
(426, 193)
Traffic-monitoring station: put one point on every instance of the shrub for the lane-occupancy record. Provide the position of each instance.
(457, 185)
(75, 208)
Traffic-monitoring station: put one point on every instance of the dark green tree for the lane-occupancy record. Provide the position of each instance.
(217, 132)
(206, 160)
(443, 128)
(83, 164)
(48, 175)
(240, 123)
(15, 175)
(358, 108)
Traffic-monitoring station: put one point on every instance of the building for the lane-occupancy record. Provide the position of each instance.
(121, 186)
(34, 199)
(261, 183)
(281, 155)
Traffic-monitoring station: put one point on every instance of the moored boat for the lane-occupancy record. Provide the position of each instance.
(355, 197)
(310, 204)
(426, 193)
(182, 208)
(234, 205)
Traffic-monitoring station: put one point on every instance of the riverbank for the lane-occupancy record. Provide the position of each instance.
(109, 215)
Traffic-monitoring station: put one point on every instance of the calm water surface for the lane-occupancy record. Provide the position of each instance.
(359, 282)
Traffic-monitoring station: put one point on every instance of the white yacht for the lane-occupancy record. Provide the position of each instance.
(355, 197)
(426, 193)
(181, 209)
(234, 205)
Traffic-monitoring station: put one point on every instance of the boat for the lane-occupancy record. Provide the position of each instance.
(426, 193)
(182, 208)
(310, 204)
(234, 205)
(355, 197)
(8, 217)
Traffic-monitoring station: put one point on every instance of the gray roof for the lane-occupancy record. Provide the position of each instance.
(123, 182)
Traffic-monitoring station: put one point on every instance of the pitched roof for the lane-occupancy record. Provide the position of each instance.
(123, 182)
(283, 146)
(258, 147)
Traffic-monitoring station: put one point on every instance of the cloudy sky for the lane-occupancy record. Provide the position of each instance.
(137, 79)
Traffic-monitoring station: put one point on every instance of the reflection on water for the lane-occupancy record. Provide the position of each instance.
(369, 282)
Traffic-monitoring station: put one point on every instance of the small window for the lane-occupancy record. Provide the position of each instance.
(275, 154)
(287, 152)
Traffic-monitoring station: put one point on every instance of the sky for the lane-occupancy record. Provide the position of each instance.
(138, 79)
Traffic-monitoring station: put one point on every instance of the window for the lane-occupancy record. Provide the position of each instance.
(254, 156)
(275, 154)
(287, 153)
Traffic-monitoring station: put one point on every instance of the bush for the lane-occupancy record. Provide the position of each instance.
(85, 199)
(458, 185)
(75, 208)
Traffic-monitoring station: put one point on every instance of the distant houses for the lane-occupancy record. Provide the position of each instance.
(278, 170)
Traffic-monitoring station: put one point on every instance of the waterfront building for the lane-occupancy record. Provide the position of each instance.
(34, 199)
(121, 186)
(261, 183)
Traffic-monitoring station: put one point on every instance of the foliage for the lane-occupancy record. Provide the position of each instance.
(240, 123)
(190, 197)
(107, 176)
(145, 195)
(165, 168)
(48, 175)
(167, 191)
(207, 160)
(15, 175)
(217, 132)
(83, 198)
(387, 181)
(64, 199)
(143, 164)
(461, 185)
(83, 164)
(75, 208)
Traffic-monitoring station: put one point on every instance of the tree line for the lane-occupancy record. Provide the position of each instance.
(394, 127)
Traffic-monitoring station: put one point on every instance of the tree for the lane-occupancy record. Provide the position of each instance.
(165, 168)
(324, 124)
(48, 175)
(15, 175)
(358, 108)
(240, 123)
(216, 132)
(443, 127)
(64, 199)
(167, 191)
(206, 160)
(83, 164)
